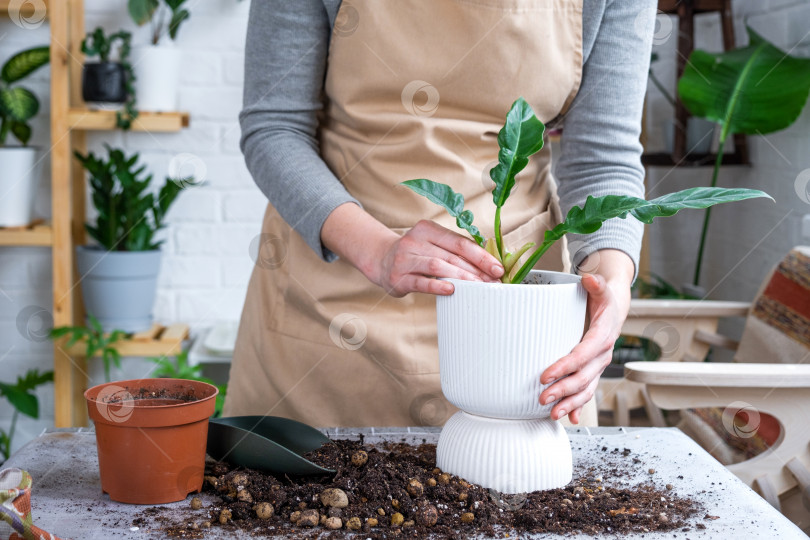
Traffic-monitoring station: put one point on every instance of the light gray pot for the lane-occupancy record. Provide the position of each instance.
(118, 287)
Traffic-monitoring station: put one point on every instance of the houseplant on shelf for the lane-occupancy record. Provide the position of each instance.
(18, 105)
(119, 276)
(108, 82)
(22, 397)
(753, 90)
(157, 65)
(496, 339)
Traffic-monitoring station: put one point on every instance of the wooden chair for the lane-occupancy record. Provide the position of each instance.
(781, 474)
(766, 389)
(683, 329)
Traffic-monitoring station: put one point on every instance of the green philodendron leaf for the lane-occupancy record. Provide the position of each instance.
(453, 202)
(753, 90)
(18, 103)
(597, 210)
(24, 63)
(141, 11)
(520, 137)
(177, 19)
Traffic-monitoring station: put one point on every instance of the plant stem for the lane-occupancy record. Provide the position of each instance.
(12, 428)
(4, 125)
(708, 214)
(661, 88)
(498, 237)
(521, 274)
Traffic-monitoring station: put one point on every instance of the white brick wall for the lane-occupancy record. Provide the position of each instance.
(745, 239)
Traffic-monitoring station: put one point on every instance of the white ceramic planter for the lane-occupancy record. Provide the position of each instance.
(699, 135)
(18, 185)
(118, 287)
(495, 340)
(157, 71)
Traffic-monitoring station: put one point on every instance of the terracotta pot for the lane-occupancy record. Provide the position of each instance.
(151, 436)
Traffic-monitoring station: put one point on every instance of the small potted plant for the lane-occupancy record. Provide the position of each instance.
(18, 105)
(157, 65)
(119, 275)
(151, 436)
(109, 83)
(496, 339)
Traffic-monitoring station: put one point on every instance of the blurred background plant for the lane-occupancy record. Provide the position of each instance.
(23, 398)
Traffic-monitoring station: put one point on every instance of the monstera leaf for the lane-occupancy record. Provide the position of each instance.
(754, 90)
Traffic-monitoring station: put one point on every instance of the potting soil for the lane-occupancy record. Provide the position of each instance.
(394, 490)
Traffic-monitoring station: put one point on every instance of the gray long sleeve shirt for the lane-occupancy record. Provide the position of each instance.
(285, 66)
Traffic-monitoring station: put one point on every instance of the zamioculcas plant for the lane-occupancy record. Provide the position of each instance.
(754, 90)
(18, 104)
(129, 214)
(522, 136)
(179, 368)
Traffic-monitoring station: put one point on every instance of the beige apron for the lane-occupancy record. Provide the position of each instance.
(414, 89)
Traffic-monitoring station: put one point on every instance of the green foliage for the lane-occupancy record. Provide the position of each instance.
(151, 11)
(97, 43)
(18, 104)
(22, 397)
(518, 140)
(95, 341)
(753, 90)
(129, 214)
(179, 368)
(657, 287)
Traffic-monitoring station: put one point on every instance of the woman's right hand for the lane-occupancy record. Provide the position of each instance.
(427, 251)
(408, 263)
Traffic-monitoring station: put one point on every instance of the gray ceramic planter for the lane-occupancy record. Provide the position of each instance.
(118, 287)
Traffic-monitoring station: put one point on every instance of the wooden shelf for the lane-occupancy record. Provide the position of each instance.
(90, 120)
(662, 159)
(26, 9)
(34, 235)
(157, 341)
(699, 6)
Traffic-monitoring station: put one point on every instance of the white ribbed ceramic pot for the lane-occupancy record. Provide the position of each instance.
(495, 340)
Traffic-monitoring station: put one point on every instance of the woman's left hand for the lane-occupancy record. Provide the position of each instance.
(577, 374)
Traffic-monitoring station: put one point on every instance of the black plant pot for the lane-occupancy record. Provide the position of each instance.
(104, 82)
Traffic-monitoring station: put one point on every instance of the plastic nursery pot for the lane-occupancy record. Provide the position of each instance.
(104, 82)
(495, 340)
(151, 436)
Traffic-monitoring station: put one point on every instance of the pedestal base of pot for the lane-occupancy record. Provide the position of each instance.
(508, 456)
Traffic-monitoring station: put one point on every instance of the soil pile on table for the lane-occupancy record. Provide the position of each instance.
(395, 491)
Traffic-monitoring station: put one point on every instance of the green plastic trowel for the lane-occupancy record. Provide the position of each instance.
(267, 443)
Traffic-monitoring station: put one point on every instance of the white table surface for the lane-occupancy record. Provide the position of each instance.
(67, 498)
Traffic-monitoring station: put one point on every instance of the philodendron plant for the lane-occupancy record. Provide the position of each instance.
(521, 137)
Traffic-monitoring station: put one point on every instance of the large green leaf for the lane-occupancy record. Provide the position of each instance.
(754, 90)
(141, 11)
(24, 63)
(520, 137)
(23, 401)
(453, 202)
(18, 103)
(597, 210)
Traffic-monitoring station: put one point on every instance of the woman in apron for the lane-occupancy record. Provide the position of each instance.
(345, 100)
